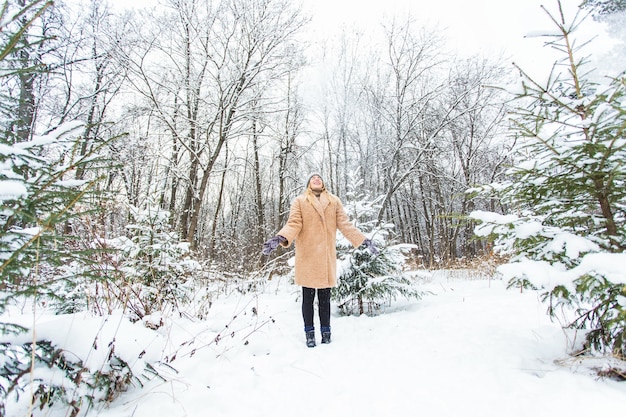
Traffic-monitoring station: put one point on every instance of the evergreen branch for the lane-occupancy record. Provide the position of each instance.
(16, 37)
(47, 225)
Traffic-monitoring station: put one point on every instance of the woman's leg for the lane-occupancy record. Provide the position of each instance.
(323, 298)
(308, 296)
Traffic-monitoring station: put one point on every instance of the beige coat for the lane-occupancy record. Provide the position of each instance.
(313, 228)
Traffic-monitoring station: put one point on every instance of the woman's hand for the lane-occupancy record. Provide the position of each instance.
(272, 244)
(370, 246)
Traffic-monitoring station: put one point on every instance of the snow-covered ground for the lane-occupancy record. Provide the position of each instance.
(470, 348)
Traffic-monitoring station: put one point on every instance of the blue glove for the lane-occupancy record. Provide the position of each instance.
(272, 244)
(370, 246)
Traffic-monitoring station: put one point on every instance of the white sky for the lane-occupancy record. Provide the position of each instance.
(492, 27)
(474, 25)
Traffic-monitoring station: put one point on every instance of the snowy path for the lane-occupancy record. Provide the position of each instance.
(472, 349)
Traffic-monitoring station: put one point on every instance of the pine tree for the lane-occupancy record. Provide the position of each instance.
(367, 281)
(604, 7)
(567, 193)
(41, 204)
(39, 200)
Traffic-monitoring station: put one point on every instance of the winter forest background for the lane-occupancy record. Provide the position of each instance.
(147, 154)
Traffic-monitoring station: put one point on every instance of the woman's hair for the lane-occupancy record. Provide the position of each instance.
(310, 196)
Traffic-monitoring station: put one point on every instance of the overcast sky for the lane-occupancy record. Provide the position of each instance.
(470, 24)
(492, 27)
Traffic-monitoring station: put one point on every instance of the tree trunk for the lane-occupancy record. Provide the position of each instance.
(260, 209)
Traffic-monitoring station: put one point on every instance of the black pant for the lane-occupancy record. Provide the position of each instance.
(323, 301)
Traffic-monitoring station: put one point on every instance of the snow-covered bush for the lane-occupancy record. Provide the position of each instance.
(154, 266)
(566, 196)
(367, 281)
(55, 370)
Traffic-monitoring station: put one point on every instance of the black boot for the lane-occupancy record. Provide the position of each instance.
(310, 338)
(325, 337)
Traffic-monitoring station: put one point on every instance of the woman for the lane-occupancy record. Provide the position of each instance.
(313, 221)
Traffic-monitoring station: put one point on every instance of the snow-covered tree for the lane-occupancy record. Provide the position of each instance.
(155, 266)
(43, 202)
(366, 280)
(566, 196)
(604, 7)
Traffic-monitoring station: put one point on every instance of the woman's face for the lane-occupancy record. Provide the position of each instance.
(316, 183)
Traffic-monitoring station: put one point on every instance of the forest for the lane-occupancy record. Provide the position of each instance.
(216, 124)
(145, 152)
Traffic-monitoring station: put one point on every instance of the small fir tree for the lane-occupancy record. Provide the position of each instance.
(40, 199)
(567, 195)
(155, 265)
(41, 205)
(367, 281)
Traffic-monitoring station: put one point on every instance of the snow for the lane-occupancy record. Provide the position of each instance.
(528, 229)
(469, 348)
(573, 245)
(492, 217)
(92, 338)
(541, 273)
(611, 266)
(491, 221)
(66, 130)
(71, 183)
(11, 189)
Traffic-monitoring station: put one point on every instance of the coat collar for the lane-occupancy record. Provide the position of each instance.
(320, 204)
